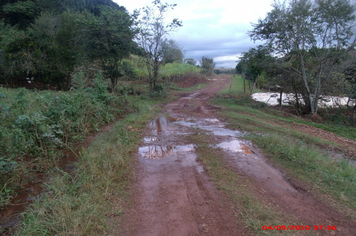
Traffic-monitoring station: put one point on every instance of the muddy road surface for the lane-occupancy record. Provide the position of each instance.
(173, 194)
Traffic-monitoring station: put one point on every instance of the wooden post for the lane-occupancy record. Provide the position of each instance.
(244, 85)
(230, 88)
(280, 97)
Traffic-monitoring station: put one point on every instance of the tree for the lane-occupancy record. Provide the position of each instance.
(207, 65)
(190, 61)
(311, 37)
(47, 39)
(254, 62)
(171, 52)
(20, 13)
(152, 31)
(112, 41)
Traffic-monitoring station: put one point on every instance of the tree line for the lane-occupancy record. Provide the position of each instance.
(43, 41)
(308, 50)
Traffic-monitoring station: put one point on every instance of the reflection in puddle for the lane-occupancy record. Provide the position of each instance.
(216, 128)
(156, 152)
(212, 120)
(161, 124)
(150, 139)
(236, 146)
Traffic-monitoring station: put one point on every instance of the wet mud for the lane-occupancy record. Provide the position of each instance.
(173, 194)
(176, 197)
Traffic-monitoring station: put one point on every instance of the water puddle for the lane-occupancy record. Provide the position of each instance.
(212, 125)
(154, 152)
(160, 125)
(149, 139)
(162, 145)
(236, 146)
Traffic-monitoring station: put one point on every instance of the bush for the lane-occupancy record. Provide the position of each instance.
(37, 123)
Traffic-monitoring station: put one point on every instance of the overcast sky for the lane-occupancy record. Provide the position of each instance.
(213, 28)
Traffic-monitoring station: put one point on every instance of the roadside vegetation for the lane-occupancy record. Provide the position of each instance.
(308, 50)
(323, 165)
(36, 125)
(91, 200)
(84, 69)
(239, 190)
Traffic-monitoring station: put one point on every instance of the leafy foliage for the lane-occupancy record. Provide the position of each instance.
(21, 13)
(46, 40)
(35, 124)
(190, 61)
(254, 62)
(152, 30)
(311, 38)
(171, 52)
(207, 65)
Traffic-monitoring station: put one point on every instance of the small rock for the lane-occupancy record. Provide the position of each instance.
(167, 202)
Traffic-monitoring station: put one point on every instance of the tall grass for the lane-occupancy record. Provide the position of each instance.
(168, 73)
(35, 124)
(91, 201)
(177, 71)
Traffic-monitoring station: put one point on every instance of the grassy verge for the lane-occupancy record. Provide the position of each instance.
(301, 155)
(36, 125)
(237, 86)
(313, 166)
(91, 201)
(242, 198)
(244, 104)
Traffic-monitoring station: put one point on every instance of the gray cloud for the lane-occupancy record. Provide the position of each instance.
(213, 28)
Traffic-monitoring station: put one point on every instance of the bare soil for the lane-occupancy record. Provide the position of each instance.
(174, 196)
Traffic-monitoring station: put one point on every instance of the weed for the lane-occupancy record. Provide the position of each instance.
(241, 195)
(301, 155)
(35, 124)
(91, 201)
(308, 163)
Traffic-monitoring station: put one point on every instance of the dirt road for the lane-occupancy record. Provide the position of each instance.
(173, 194)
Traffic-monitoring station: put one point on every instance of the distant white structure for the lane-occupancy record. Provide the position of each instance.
(272, 99)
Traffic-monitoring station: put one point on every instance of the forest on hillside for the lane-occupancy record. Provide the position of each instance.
(43, 41)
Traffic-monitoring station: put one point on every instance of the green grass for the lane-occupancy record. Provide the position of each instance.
(346, 131)
(237, 86)
(36, 125)
(313, 166)
(301, 155)
(92, 200)
(240, 191)
(243, 103)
